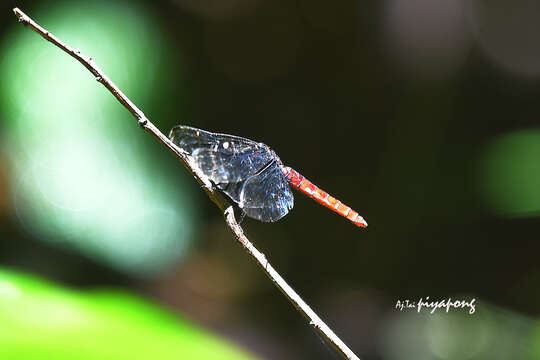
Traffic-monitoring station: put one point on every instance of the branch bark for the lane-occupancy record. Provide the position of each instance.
(228, 211)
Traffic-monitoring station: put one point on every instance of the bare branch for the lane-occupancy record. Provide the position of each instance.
(214, 195)
(295, 299)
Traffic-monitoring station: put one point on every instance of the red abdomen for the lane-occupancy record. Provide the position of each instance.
(321, 196)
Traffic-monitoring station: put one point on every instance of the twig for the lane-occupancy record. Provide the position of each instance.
(314, 320)
(214, 195)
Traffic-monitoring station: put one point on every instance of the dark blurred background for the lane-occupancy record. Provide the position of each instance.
(422, 115)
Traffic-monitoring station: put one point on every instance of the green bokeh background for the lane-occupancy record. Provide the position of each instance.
(423, 116)
(43, 320)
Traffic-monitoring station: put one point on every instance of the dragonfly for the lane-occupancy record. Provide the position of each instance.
(251, 175)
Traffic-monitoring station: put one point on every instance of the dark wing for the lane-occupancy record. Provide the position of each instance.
(266, 196)
(247, 171)
(225, 159)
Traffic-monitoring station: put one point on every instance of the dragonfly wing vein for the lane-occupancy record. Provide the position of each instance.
(223, 158)
(267, 196)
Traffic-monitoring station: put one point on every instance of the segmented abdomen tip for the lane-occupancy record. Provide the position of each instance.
(360, 222)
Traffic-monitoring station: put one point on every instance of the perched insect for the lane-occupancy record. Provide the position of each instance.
(252, 175)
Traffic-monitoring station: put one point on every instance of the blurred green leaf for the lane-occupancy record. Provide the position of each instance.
(81, 178)
(509, 173)
(40, 320)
